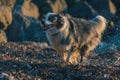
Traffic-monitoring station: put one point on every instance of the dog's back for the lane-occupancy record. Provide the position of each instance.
(88, 33)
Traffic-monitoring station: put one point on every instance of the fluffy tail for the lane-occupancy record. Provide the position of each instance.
(100, 23)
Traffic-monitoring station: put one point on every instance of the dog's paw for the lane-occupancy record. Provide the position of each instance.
(83, 60)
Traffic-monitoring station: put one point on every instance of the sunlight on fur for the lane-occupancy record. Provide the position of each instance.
(74, 38)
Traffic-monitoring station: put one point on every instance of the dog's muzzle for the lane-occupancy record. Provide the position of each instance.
(48, 26)
(50, 29)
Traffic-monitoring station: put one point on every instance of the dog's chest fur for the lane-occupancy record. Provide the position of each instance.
(61, 44)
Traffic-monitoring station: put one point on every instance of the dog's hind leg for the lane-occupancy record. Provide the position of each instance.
(86, 48)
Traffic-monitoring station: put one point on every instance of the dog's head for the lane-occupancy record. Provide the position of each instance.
(53, 22)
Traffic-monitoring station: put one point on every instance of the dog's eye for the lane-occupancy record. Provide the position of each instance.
(56, 18)
(52, 18)
(43, 21)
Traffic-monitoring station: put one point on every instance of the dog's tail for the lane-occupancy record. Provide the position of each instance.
(100, 23)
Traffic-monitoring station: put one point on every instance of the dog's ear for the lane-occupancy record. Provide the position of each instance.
(60, 20)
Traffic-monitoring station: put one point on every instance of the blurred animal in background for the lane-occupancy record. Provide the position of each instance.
(73, 38)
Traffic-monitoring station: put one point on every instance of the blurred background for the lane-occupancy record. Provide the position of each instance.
(20, 19)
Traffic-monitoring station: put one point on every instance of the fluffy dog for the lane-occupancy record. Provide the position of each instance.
(73, 38)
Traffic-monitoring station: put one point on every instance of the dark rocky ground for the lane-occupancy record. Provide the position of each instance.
(28, 61)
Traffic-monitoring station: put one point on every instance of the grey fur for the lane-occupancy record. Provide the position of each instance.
(77, 36)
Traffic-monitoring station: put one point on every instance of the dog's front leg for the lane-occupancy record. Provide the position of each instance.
(83, 53)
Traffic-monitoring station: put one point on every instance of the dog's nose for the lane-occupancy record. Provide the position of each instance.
(43, 22)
